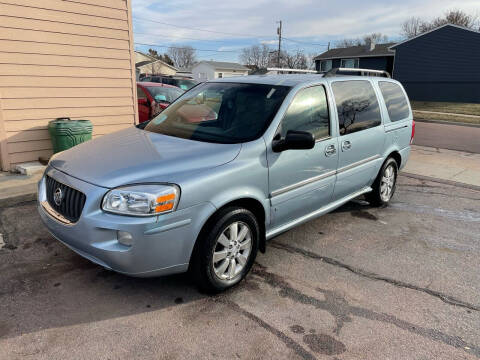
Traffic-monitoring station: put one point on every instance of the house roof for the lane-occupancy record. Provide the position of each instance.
(428, 32)
(357, 51)
(152, 60)
(141, 63)
(225, 65)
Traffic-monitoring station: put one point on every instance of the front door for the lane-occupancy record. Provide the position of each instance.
(302, 181)
(361, 136)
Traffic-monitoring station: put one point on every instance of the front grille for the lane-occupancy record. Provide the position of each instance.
(72, 201)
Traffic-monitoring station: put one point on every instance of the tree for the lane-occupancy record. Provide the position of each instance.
(256, 55)
(153, 53)
(296, 60)
(347, 43)
(415, 26)
(412, 27)
(182, 57)
(377, 38)
(165, 58)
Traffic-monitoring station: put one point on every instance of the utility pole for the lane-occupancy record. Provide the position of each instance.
(279, 32)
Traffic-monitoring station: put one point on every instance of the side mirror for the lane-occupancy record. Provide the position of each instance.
(294, 140)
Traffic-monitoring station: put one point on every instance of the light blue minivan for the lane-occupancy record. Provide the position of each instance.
(227, 166)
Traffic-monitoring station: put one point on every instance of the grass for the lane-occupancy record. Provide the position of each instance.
(447, 107)
(454, 110)
(442, 117)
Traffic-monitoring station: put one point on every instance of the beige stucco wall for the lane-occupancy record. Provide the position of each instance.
(63, 58)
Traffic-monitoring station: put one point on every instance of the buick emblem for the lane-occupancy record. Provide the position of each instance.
(58, 196)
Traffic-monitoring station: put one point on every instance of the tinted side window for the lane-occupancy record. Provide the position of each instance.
(395, 100)
(140, 93)
(308, 112)
(357, 106)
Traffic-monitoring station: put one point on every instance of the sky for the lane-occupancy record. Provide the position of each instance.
(220, 29)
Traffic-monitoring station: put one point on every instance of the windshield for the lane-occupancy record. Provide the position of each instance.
(184, 84)
(221, 112)
(164, 94)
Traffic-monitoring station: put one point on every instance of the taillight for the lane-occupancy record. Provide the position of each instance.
(413, 132)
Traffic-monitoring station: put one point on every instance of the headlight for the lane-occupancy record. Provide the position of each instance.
(142, 200)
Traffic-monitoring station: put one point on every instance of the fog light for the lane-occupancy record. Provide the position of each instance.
(124, 238)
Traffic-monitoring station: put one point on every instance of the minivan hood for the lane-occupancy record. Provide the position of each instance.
(133, 155)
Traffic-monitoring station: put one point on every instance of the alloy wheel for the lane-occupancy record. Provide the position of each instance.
(387, 183)
(232, 250)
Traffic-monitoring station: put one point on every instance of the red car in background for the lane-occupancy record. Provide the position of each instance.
(154, 97)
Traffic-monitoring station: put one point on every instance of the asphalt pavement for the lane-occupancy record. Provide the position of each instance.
(360, 283)
(448, 136)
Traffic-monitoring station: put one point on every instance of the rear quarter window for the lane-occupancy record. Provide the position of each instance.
(395, 100)
(357, 106)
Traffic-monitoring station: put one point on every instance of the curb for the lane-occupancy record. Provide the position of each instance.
(445, 122)
(441, 181)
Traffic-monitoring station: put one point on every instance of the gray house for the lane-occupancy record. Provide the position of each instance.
(440, 65)
(371, 56)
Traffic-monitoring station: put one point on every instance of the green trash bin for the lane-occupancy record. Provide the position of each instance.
(66, 133)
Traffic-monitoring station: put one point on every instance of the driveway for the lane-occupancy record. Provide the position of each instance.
(361, 283)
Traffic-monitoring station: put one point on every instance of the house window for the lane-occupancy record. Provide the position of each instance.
(349, 63)
(325, 65)
(220, 75)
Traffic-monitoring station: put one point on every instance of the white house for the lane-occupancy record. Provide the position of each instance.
(208, 70)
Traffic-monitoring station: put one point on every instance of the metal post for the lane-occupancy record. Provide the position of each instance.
(279, 32)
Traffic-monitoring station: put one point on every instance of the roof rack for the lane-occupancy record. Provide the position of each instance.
(356, 72)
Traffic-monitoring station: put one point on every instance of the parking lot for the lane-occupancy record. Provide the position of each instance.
(361, 283)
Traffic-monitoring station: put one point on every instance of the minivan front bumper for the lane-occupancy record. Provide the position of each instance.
(162, 244)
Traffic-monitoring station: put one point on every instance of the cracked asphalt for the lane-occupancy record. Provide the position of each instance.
(400, 282)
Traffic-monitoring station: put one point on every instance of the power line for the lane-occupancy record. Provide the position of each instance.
(179, 37)
(197, 29)
(179, 47)
(303, 42)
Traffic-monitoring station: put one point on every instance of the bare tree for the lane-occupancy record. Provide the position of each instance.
(347, 43)
(416, 26)
(182, 56)
(256, 55)
(296, 60)
(377, 38)
(412, 27)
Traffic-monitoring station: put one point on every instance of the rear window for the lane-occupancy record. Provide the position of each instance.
(184, 84)
(397, 103)
(357, 106)
(164, 94)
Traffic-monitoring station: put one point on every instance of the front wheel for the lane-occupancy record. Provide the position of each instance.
(384, 185)
(226, 249)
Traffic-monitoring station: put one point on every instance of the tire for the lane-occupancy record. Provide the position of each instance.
(234, 257)
(378, 197)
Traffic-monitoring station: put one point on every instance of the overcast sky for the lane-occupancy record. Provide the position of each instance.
(231, 25)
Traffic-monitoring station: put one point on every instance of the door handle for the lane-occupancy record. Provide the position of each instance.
(346, 145)
(330, 150)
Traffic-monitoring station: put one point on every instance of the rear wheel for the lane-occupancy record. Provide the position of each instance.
(225, 250)
(384, 185)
